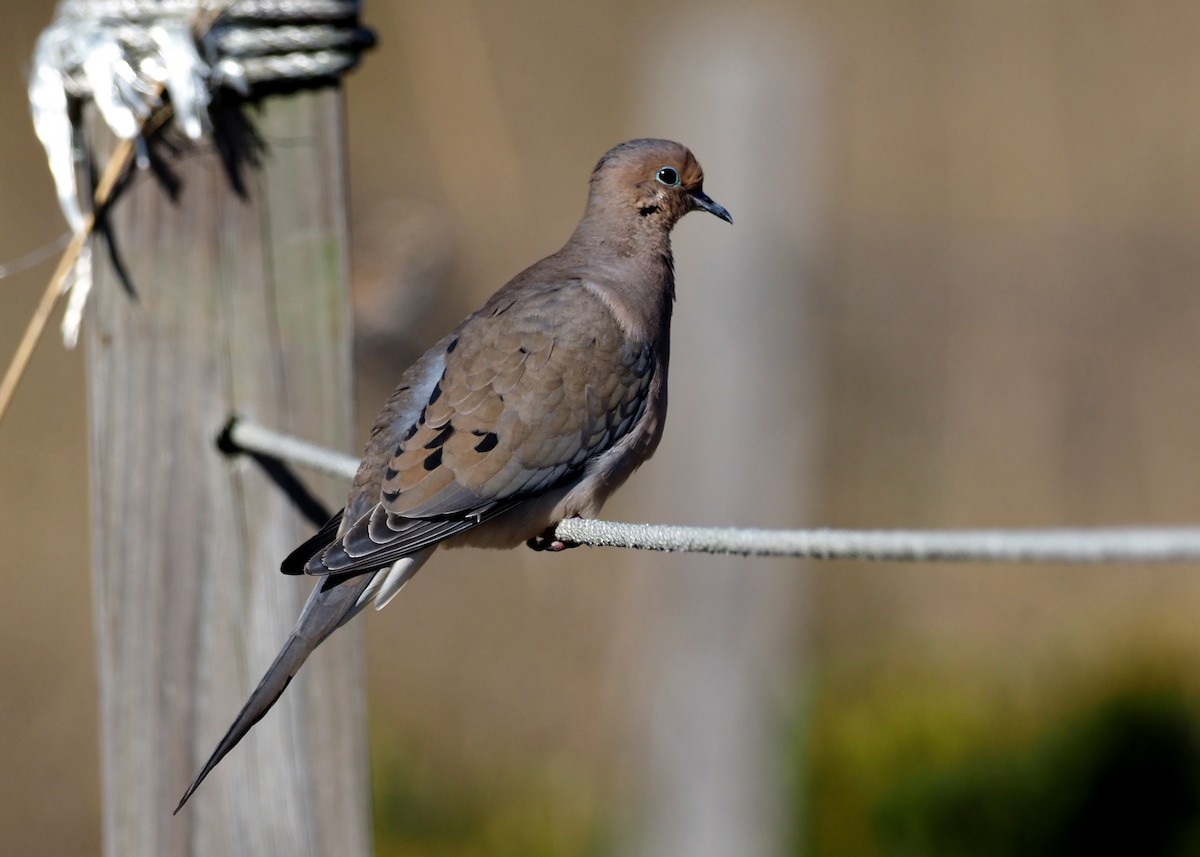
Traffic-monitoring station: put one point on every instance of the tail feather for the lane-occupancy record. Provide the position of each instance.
(392, 579)
(276, 680)
(331, 604)
(324, 612)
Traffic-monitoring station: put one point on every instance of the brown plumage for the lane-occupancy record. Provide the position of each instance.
(534, 409)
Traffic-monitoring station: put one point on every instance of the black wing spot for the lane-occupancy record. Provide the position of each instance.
(412, 429)
(453, 344)
(434, 460)
(441, 438)
(523, 350)
(436, 394)
(490, 439)
(390, 474)
(391, 496)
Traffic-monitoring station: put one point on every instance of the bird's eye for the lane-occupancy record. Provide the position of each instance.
(668, 176)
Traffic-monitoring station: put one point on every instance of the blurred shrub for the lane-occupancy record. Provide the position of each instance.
(423, 809)
(927, 772)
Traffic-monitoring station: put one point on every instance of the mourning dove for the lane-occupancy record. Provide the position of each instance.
(534, 409)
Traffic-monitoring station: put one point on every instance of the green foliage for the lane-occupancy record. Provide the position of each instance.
(929, 772)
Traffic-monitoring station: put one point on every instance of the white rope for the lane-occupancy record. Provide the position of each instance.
(254, 438)
(1165, 544)
(1126, 544)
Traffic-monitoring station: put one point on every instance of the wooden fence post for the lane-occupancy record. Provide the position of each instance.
(241, 307)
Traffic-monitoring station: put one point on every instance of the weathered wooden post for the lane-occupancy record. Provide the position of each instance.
(241, 307)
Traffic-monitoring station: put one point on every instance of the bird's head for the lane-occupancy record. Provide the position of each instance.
(652, 181)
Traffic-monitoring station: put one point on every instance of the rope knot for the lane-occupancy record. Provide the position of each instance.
(132, 58)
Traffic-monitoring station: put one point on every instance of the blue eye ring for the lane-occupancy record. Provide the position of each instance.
(668, 176)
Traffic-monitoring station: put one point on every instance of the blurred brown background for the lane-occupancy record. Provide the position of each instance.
(974, 225)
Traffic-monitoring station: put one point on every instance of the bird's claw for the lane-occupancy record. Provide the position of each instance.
(546, 541)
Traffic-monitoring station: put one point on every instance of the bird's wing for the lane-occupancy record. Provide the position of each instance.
(531, 390)
(294, 563)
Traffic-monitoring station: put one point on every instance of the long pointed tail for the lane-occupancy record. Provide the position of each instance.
(331, 605)
(286, 664)
(324, 612)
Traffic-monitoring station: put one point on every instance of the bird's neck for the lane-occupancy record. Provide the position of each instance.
(636, 265)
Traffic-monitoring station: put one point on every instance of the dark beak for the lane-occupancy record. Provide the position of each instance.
(702, 201)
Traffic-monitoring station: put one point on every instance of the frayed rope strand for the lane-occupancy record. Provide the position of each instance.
(1127, 544)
